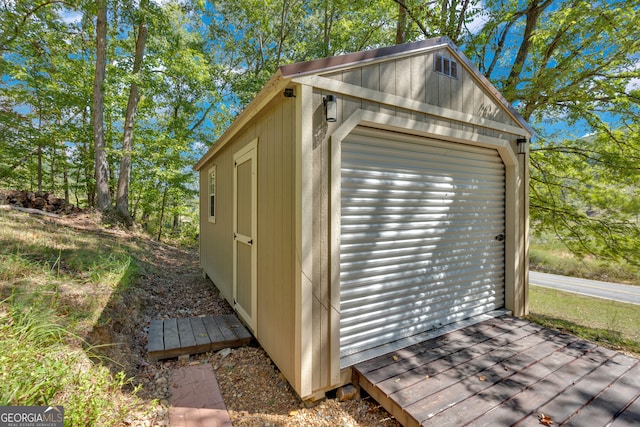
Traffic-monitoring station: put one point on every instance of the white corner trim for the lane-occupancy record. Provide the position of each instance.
(304, 243)
(394, 123)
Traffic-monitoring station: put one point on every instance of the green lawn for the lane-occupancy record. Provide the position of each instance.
(608, 323)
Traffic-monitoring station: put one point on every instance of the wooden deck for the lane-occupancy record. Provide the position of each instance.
(505, 371)
(176, 337)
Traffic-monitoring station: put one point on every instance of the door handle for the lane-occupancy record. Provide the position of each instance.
(244, 239)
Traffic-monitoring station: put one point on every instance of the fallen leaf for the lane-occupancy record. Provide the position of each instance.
(395, 357)
(545, 420)
(482, 378)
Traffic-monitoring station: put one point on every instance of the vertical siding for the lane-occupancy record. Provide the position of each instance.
(216, 240)
(275, 130)
(276, 280)
(418, 89)
(403, 86)
(371, 80)
(351, 105)
(320, 249)
(388, 83)
(414, 78)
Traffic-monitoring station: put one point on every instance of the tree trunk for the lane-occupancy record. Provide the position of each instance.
(401, 26)
(39, 167)
(135, 206)
(40, 151)
(164, 203)
(176, 223)
(122, 196)
(53, 166)
(65, 174)
(101, 164)
(532, 14)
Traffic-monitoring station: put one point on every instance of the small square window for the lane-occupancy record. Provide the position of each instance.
(439, 64)
(212, 194)
(446, 66)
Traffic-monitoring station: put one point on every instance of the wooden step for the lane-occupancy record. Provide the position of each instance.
(176, 337)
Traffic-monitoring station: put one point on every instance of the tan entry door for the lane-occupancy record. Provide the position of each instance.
(245, 222)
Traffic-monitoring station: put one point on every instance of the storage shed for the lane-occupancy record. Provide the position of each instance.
(363, 202)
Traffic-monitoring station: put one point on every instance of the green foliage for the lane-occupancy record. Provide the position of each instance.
(585, 192)
(251, 39)
(573, 63)
(557, 61)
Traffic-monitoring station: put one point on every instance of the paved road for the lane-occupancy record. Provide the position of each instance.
(593, 288)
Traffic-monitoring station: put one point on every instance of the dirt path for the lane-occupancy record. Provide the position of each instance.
(255, 393)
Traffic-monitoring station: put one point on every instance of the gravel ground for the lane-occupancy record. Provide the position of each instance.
(254, 391)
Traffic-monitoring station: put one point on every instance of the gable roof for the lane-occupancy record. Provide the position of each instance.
(286, 73)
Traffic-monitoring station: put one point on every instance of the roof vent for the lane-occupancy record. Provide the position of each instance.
(446, 66)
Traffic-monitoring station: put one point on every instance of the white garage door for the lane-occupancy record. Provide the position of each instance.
(421, 240)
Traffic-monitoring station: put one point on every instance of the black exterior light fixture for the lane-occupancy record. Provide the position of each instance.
(522, 145)
(330, 108)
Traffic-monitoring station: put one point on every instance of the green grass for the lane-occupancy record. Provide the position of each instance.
(609, 323)
(56, 284)
(41, 368)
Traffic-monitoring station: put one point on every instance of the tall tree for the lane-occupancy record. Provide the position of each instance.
(570, 68)
(101, 164)
(286, 31)
(434, 19)
(122, 200)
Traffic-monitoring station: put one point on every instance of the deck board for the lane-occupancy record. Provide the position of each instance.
(576, 395)
(502, 372)
(186, 335)
(176, 337)
(155, 341)
(200, 332)
(214, 332)
(630, 416)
